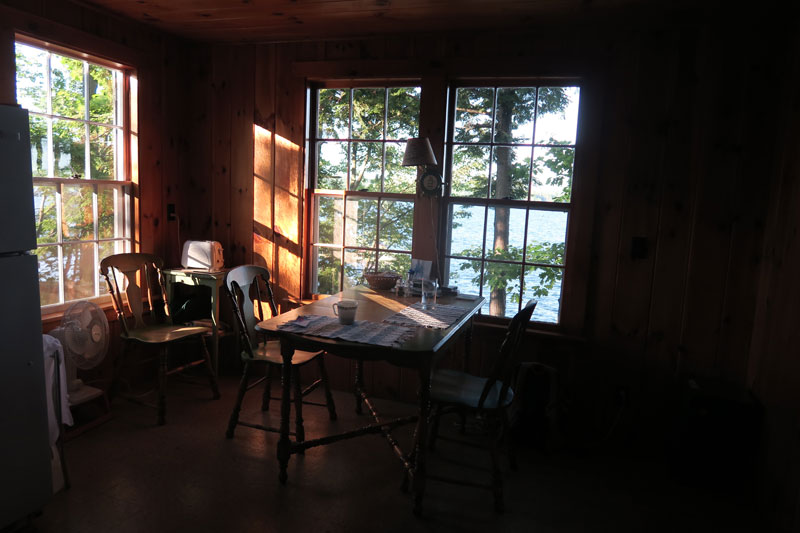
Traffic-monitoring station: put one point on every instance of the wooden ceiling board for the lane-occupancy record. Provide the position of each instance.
(294, 20)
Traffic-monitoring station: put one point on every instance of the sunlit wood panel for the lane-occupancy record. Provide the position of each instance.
(263, 251)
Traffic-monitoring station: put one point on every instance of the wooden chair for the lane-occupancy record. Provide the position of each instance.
(140, 280)
(485, 398)
(249, 289)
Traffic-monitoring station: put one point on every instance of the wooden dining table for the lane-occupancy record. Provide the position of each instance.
(420, 350)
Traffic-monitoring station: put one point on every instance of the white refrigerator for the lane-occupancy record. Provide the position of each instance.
(25, 477)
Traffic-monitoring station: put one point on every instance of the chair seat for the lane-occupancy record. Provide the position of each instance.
(452, 386)
(161, 333)
(270, 352)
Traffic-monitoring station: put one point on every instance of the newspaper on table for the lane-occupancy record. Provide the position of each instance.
(440, 317)
(359, 331)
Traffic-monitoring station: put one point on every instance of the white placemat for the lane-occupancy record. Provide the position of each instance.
(440, 317)
(359, 331)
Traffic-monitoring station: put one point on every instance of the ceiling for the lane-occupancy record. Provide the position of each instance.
(292, 20)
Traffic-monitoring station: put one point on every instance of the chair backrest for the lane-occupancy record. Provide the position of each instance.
(249, 289)
(138, 275)
(508, 357)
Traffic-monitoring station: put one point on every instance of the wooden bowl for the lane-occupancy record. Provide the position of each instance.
(381, 281)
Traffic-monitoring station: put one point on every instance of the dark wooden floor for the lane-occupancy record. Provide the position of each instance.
(130, 476)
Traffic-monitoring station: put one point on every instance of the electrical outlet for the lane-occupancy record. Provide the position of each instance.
(170, 211)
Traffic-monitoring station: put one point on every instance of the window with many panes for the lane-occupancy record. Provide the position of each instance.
(510, 153)
(79, 153)
(362, 198)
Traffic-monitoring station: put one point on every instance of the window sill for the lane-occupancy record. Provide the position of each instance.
(54, 313)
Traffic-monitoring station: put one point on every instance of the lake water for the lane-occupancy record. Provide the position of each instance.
(543, 227)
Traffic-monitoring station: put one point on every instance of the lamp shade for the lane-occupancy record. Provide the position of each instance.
(418, 153)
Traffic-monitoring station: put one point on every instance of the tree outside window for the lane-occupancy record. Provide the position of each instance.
(78, 162)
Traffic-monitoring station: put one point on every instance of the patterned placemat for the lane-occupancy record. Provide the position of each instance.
(359, 331)
(440, 317)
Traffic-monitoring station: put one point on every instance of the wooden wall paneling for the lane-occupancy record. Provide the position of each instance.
(674, 230)
(223, 83)
(242, 152)
(194, 200)
(263, 188)
(8, 69)
(289, 182)
(150, 155)
(716, 161)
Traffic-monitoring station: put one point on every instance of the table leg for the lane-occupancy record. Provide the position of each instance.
(284, 444)
(468, 345)
(359, 385)
(215, 326)
(421, 437)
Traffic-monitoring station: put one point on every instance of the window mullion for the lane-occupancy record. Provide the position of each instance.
(60, 241)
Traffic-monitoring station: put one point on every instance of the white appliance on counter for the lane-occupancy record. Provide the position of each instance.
(25, 477)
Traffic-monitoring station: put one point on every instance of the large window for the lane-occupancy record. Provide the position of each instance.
(511, 153)
(362, 199)
(79, 153)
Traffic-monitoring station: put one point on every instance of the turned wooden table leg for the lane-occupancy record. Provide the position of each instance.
(421, 437)
(284, 444)
(359, 385)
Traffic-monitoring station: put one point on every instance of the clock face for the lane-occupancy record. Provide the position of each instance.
(430, 183)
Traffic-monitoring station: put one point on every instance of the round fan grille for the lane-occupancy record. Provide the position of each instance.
(85, 336)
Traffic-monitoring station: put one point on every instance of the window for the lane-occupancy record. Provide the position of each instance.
(80, 145)
(362, 198)
(511, 153)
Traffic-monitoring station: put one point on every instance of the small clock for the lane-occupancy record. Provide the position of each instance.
(430, 183)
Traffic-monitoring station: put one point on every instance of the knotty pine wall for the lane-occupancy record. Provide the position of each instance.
(691, 148)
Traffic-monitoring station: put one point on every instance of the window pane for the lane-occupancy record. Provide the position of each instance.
(397, 263)
(552, 174)
(48, 274)
(403, 113)
(473, 115)
(557, 115)
(103, 152)
(356, 263)
(361, 222)
(40, 146)
(110, 212)
(44, 205)
(397, 224)
(464, 275)
(66, 78)
(501, 288)
(329, 266)
(466, 224)
(69, 148)
(102, 104)
(334, 114)
(368, 110)
(332, 165)
(470, 174)
(397, 177)
(328, 222)
(511, 172)
(514, 118)
(505, 233)
(365, 174)
(547, 237)
(31, 78)
(106, 249)
(79, 269)
(544, 285)
(77, 219)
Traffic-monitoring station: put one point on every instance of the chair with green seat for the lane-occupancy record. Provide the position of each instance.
(135, 278)
(249, 289)
(485, 398)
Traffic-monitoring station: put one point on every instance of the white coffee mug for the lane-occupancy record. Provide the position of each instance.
(345, 310)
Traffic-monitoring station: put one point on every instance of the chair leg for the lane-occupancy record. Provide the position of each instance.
(506, 436)
(359, 385)
(267, 388)
(497, 476)
(234, 419)
(117, 370)
(212, 377)
(162, 386)
(300, 433)
(434, 417)
(323, 374)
